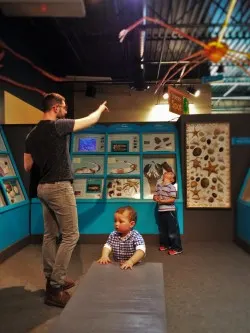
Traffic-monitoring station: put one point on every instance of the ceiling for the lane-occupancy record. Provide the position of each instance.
(89, 46)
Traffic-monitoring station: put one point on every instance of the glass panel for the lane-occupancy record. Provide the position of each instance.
(2, 145)
(87, 164)
(123, 143)
(154, 167)
(89, 143)
(2, 200)
(6, 168)
(125, 164)
(13, 191)
(158, 142)
(88, 188)
(246, 193)
(123, 188)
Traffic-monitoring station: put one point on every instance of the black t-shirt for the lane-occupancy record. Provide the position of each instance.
(48, 144)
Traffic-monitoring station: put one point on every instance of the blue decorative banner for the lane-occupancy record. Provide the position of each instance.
(241, 141)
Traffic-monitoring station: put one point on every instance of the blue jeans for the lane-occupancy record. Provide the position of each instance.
(169, 231)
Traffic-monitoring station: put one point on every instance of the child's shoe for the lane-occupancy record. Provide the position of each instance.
(163, 248)
(174, 252)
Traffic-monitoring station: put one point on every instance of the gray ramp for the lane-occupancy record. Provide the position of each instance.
(111, 300)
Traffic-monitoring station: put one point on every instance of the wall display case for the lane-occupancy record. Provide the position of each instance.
(124, 161)
(11, 188)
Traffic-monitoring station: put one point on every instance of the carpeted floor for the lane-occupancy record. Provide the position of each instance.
(207, 288)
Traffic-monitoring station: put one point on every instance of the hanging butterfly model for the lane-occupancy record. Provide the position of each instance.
(214, 50)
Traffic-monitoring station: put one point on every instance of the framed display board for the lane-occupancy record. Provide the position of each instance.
(2, 200)
(88, 164)
(89, 143)
(123, 161)
(154, 167)
(6, 168)
(123, 143)
(208, 167)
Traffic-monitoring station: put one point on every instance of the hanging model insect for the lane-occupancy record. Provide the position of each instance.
(214, 50)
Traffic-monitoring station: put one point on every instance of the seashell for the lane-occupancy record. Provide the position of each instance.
(217, 131)
(210, 151)
(193, 183)
(203, 139)
(192, 147)
(201, 134)
(221, 138)
(205, 182)
(221, 149)
(211, 199)
(214, 195)
(214, 180)
(208, 141)
(221, 159)
(220, 188)
(198, 179)
(206, 157)
(222, 167)
(214, 137)
(212, 158)
(165, 139)
(192, 178)
(220, 180)
(197, 151)
(194, 142)
(157, 140)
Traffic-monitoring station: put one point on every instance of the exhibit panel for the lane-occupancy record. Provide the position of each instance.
(14, 203)
(118, 165)
(243, 212)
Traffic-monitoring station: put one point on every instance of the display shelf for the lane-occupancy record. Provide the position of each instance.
(243, 211)
(12, 191)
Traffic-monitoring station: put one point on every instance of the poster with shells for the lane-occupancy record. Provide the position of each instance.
(123, 188)
(208, 165)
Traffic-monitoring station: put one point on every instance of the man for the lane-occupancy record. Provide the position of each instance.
(47, 147)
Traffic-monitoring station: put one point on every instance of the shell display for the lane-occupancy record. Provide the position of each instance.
(208, 165)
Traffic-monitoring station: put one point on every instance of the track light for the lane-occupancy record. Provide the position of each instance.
(192, 91)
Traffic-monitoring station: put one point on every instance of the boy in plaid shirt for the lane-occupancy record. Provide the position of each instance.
(169, 232)
(127, 245)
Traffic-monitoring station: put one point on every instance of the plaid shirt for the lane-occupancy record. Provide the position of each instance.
(124, 248)
(165, 192)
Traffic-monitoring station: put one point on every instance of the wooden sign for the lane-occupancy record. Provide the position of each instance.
(175, 100)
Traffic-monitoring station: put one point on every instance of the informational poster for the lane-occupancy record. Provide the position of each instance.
(123, 188)
(208, 165)
(123, 143)
(154, 166)
(88, 164)
(13, 191)
(158, 142)
(6, 168)
(123, 164)
(90, 188)
(89, 143)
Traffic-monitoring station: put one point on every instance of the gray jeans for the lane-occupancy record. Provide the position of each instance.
(60, 215)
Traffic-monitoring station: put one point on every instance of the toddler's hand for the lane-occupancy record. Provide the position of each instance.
(127, 264)
(104, 260)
